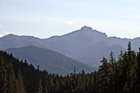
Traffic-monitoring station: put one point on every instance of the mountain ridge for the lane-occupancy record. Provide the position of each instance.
(49, 60)
(85, 27)
(75, 44)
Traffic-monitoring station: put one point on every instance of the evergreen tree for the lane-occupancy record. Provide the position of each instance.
(138, 71)
(39, 88)
(19, 87)
(131, 70)
(3, 77)
(80, 86)
(10, 78)
(103, 76)
(112, 72)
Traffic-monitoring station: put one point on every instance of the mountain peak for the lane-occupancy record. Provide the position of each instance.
(86, 28)
(9, 36)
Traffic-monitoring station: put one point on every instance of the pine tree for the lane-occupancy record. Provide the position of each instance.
(103, 76)
(39, 88)
(131, 70)
(112, 63)
(80, 85)
(19, 87)
(3, 77)
(83, 76)
(10, 78)
(95, 82)
(138, 71)
(112, 72)
(56, 85)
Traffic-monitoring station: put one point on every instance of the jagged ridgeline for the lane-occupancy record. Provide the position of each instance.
(113, 76)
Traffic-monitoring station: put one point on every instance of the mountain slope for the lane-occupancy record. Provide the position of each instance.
(14, 41)
(85, 45)
(52, 61)
(74, 41)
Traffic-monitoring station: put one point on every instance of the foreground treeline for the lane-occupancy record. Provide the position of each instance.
(121, 76)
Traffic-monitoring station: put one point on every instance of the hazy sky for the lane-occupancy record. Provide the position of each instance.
(44, 18)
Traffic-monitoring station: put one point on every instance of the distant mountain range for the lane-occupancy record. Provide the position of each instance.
(49, 60)
(85, 45)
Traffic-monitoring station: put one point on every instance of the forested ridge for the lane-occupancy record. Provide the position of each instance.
(113, 76)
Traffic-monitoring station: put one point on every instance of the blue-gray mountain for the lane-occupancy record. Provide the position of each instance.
(85, 45)
(49, 60)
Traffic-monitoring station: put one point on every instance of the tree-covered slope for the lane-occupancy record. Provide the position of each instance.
(113, 76)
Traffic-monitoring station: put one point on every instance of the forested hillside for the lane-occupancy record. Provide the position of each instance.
(113, 76)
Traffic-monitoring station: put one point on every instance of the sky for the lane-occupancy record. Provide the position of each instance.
(45, 18)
